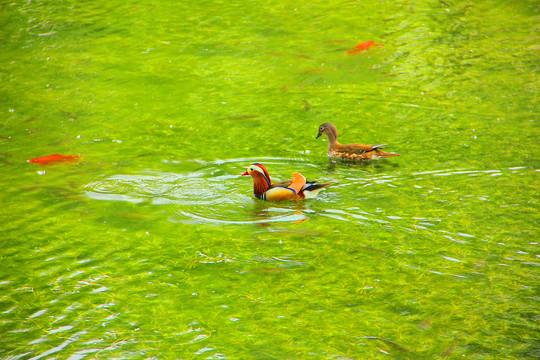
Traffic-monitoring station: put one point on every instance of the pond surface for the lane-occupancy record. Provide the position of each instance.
(152, 246)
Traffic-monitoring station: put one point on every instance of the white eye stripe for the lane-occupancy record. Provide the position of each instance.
(256, 168)
(262, 172)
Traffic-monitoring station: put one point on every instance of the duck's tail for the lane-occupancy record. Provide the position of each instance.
(383, 154)
(311, 189)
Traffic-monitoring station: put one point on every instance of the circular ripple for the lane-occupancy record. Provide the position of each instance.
(215, 193)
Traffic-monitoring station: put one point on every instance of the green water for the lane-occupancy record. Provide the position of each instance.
(152, 245)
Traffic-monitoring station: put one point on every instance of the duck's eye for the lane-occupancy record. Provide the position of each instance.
(321, 128)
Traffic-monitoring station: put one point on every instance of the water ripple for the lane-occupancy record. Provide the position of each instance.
(198, 219)
(215, 193)
(60, 347)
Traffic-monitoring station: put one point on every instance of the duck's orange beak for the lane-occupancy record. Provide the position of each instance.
(244, 174)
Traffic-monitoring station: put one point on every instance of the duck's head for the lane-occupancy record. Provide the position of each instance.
(258, 171)
(327, 129)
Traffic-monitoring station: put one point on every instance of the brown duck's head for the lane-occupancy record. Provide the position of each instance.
(327, 129)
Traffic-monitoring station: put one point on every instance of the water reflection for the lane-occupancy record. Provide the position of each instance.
(449, 172)
(64, 318)
(334, 164)
(215, 193)
(197, 219)
(409, 210)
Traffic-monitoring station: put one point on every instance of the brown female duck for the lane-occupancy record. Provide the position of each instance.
(350, 151)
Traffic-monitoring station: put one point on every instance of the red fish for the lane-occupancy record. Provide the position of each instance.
(47, 160)
(363, 47)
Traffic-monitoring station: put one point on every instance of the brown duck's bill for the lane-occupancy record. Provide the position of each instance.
(319, 134)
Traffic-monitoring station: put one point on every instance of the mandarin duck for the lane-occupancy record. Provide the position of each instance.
(350, 151)
(296, 189)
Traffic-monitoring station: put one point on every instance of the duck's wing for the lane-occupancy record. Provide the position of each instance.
(283, 184)
(286, 190)
(296, 184)
(359, 148)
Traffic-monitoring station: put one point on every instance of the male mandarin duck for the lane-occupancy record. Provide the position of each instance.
(296, 189)
(350, 151)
